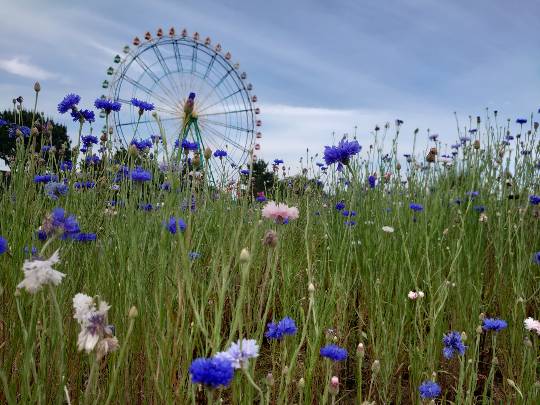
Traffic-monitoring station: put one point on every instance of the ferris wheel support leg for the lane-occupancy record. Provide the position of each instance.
(204, 163)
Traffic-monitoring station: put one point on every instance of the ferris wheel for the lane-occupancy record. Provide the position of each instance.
(198, 93)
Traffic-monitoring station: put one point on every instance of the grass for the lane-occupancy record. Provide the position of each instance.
(360, 277)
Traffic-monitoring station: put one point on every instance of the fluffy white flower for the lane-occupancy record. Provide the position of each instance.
(532, 325)
(87, 340)
(93, 322)
(37, 273)
(388, 229)
(413, 295)
(83, 306)
(240, 352)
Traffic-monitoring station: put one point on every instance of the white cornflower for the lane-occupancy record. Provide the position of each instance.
(93, 322)
(532, 325)
(388, 229)
(413, 295)
(83, 306)
(240, 352)
(37, 273)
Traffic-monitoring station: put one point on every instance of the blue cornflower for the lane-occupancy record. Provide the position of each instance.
(60, 220)
(285, 327)
(212, 372)
(494, 324)
(509, 137)
(68, 103)
(534, 199)
(433, 137)
(479, 208)
(244, 172)
(416, 207)
(3, 245)
(83, 115)
(85, 237)
(166, 186)
(220, 153)
(334, 352)
(93, 160)
(340, 205)
(260, 197)
(521, 121)
(186, 145)
(107, 105)
(3, 122)
(472, 131)
(455, 146)
(429, 390)
(139, 174)
(54, 190)
(142, 105)
(12, 131)
(185, 204)
(45, 178)
(66, 165)
(88, 140)
(278, 161)
(141, 144)
(85, 184)
(320, 164)
(464, 139)
(32, 251)
(173, 225)
(536, 258)
(372, 180)
(121, 174)
(453, 344)
(350, 223)
(194, 255)
(42, 235)
(346, 213)
(45, 148)
(146, 206)
(342, 152)
(472, 194)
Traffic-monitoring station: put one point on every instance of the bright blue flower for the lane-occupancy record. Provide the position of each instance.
(42, 235)
(429, 390)
(536, 258)
(85, 237)
(494, 324)
(92, 160)
(534, 199)
(45, 148)
(350, 223)
(83, 115)
(372, 180)
(166, 186)
(351, 213)
(453, 344)
(521, 121)
(342, 152)
(340, 205)
(142, 144)
(260, 198)
(479, 208)
(85, 184)
(45, 178)
(416, 207)
(464, 139)
(285, 327)
(54, 190)
(32, 251)
(212, 372)
(244, 172)
(107, 105)
(66, 165)
(146, 206)
(88, 140)
(64, 222)
(3, 245)
(173, 225)
(3, 122)
(121, 174)
(142, 105)
(433, 137)
(12, 131)
(334, 352)
(69, 101)
(278, 161)
(220, 153)
(186, 145)
(139, 174)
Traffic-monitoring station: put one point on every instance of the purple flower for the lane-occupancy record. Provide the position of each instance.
(416, 207)
(220, 153)
(107, 105)
(340, 205)
(494, 324)
(140, 175)
(142, 105)
(334, 352)
(173, 225)
(83, 115)
(372, 180)
(69, 102)
(341, 153)
(3, 245)
(453, 344)
(285, 327)
(429, 390)
(212, 372)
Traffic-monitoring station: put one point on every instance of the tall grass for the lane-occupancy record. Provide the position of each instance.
(341, 284)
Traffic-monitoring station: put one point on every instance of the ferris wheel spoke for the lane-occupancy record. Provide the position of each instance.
(214, 88)
(146, 69)
(168, 72)
(220, 101)
(224, 113)
(145, 89)
(221, 124)
(224, 137)
(146, 121)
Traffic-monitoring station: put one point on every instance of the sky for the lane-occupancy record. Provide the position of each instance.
(320, 69)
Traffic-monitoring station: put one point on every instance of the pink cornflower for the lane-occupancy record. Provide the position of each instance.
(279, 212)
(532, 325)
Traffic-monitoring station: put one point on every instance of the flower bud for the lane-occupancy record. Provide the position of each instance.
(269, 379)
(476, 144)
(361, 350)
(301, 382)
(376, 367)
(270, 238)
(244, 256)
(463, 336)
(133, 312)
(479, 329)
(311, 288)
(207, 153)
(334, 385)
(37, 87)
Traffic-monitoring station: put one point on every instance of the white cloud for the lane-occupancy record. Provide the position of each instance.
(22, 67)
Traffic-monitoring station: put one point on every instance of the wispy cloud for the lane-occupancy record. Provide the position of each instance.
(21, 66)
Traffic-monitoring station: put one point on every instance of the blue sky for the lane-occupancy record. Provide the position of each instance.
(317, 66)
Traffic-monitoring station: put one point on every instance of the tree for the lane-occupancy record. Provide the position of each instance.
(262, 179)
(48, 133)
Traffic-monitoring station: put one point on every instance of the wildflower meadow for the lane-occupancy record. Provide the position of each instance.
(367, 277)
